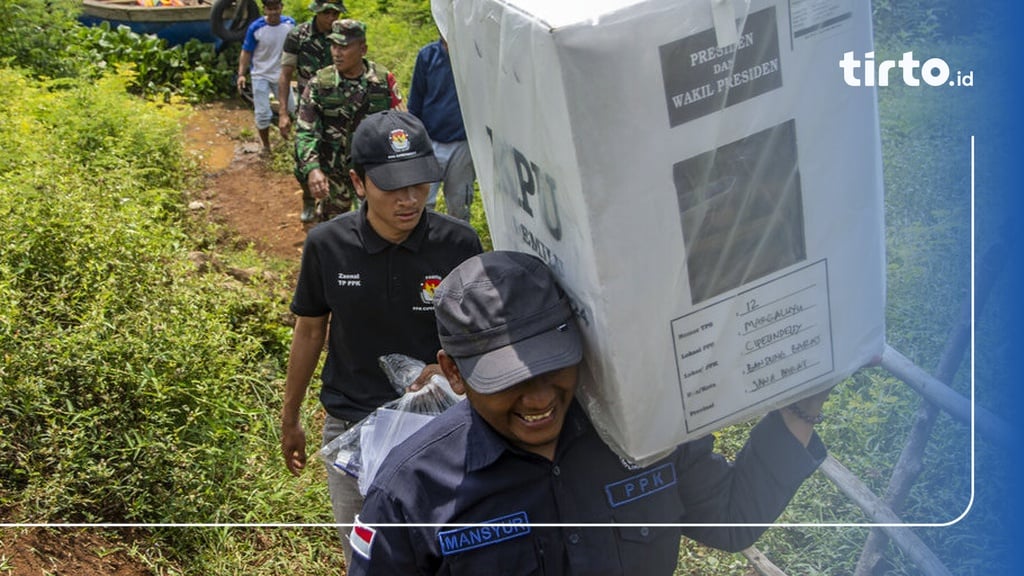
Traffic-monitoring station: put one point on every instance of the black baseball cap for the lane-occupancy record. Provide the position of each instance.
(504, 319)
(395, 150)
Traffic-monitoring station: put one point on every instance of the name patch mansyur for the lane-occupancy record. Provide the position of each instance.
(463, 539)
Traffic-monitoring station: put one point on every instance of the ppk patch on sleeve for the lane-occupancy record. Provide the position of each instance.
(463, 539)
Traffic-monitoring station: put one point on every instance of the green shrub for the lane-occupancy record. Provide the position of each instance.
(194, 70)
(45, 39)
(396, 30)
(137, 386)
(917, 21)
(39, 36)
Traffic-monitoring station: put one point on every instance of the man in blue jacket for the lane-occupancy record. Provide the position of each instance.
(433, 99)
(471, 488)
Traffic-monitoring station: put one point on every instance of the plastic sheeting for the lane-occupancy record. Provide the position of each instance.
(361, 449)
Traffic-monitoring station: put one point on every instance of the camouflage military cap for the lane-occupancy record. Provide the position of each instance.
(347, 30)
(321, 5)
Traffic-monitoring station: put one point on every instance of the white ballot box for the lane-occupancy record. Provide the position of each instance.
(704, 183)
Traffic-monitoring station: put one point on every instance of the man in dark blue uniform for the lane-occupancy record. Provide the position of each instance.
(370, 277)
(521, 452)
(434, 99)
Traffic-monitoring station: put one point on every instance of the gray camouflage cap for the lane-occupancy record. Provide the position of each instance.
(321, 5)
(347, 30)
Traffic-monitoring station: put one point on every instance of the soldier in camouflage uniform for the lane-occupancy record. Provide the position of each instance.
(334, 102)
(306, 50)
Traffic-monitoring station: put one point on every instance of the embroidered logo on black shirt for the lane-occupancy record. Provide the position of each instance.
(427, 288)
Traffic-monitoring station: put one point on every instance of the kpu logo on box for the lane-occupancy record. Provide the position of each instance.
(933, 72)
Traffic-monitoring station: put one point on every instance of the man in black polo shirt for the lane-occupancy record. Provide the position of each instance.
(369, 276)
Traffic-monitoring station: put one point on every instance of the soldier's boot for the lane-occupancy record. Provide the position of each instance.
(308, 208)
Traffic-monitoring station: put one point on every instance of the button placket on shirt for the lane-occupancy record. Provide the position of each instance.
(394, 279)
(574, 537)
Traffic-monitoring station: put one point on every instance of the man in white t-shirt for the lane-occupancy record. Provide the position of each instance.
(261, 50)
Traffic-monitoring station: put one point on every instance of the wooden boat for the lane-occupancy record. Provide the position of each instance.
(176, 24)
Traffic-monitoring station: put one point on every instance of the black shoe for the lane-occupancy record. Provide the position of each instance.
(308, 213)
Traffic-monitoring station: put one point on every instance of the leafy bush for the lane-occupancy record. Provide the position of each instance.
(35, 35)
(194, 70)
(134, 382)
(396, 30)
(46, 40)
(904, 21)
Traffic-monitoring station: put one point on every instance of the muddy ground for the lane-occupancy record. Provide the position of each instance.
(260, 205)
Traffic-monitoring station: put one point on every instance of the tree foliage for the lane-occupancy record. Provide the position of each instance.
(902, 21)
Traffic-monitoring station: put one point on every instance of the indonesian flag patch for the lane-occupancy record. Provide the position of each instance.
(361, 538)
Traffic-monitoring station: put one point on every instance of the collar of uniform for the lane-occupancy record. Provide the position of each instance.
(361, 79)
(374, 243)
(312, 26)
(484, 446)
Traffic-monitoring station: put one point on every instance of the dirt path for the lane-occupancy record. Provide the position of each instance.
(260, 205)
(256, 205)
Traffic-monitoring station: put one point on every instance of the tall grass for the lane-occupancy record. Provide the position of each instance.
(926, 153)
(138, 383)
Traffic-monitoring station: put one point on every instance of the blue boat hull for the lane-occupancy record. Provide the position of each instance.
(173, 32)
(177, 24)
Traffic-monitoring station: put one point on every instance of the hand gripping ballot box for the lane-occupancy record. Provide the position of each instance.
(703, 182)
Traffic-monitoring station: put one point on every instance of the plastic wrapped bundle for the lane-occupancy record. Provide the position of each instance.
(360, 450)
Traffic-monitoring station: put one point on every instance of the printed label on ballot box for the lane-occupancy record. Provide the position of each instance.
(749, 349)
